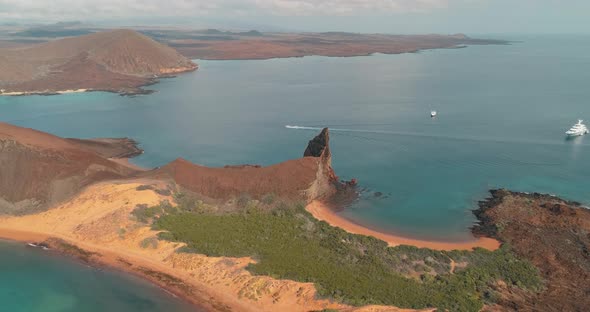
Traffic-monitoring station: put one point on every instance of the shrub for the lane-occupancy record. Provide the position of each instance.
(150, 242)
(268, 199)
(144, 214)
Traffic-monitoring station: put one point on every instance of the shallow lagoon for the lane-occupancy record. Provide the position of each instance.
(33, 280)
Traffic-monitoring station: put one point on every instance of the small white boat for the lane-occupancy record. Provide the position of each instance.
(433, 113)
(577, 129)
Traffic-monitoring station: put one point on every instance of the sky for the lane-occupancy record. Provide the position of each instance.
(367, 16)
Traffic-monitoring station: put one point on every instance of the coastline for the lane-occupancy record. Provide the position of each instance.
(46, 92)
(323, 212)
(127, 91)
(117, 261)
(126, 162)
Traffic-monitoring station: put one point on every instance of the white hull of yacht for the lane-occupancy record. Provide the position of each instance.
(575, 134)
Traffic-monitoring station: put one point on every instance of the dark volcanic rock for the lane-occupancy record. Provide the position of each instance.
(319, 146)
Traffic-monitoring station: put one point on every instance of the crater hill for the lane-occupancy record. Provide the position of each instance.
(39, 170)
(117, 61)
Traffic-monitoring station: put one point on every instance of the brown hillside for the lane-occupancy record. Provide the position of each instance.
(119, 61)
(38, 169)
(306, 178)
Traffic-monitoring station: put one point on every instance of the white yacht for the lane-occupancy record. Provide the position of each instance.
(433, 113)
(578, 129)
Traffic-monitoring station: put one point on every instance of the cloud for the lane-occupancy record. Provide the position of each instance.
(101, 9)
(347, 7)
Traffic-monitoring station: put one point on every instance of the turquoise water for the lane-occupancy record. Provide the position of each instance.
(32, 280)
(503, 111)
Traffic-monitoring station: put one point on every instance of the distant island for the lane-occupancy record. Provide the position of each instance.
(257, 46)
(68, 57)
(120, 61)
(244, 238)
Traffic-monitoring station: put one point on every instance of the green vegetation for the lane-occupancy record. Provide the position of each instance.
(289, 243)
(121, 232)
(144, 214)
(268, 199)
(150, 242)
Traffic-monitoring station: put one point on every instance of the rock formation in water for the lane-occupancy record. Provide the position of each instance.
(119, 61)
(319, 146)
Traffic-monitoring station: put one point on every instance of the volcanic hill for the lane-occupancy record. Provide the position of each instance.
(38, 170)
(118, 61)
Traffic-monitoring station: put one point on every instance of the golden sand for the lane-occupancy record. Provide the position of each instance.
(322, 212)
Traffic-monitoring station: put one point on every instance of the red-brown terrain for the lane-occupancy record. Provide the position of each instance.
(304, 179)
(119, 61)
(554, 235)
(280, 45)
(38, 170)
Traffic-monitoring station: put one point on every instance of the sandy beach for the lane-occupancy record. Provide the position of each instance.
(323, 212)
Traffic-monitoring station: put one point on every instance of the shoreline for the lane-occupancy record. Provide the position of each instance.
(126, 162)
(323, 212)
(112, 260)
(352, 55)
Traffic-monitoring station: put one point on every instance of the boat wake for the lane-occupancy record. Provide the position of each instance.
(466, 138)
(345, 130)
(303, 128)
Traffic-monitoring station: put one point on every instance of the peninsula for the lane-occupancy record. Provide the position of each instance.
(240, 238)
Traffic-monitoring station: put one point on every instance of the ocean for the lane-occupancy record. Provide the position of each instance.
(502, 114)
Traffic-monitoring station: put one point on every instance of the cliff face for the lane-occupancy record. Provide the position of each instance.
(306, 178)
(38, 170)
(118, 61)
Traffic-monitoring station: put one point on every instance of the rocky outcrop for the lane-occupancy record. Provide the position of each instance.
(319, 146)
(552, 234)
